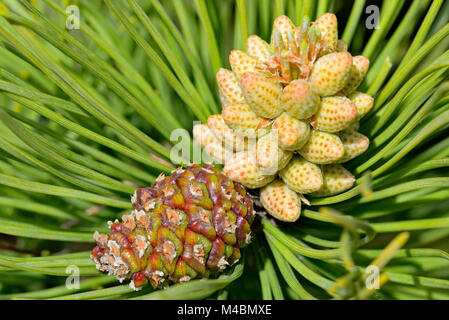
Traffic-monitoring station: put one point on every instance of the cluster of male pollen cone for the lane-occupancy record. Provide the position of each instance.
(290, 115)
(188, 225)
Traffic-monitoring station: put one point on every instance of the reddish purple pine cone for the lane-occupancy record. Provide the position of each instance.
(188, 225)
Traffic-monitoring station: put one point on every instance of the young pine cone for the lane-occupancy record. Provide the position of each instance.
(290, 114)
(188, 225)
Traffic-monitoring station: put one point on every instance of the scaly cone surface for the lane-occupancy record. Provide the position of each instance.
(290, 115)
(188, 225)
